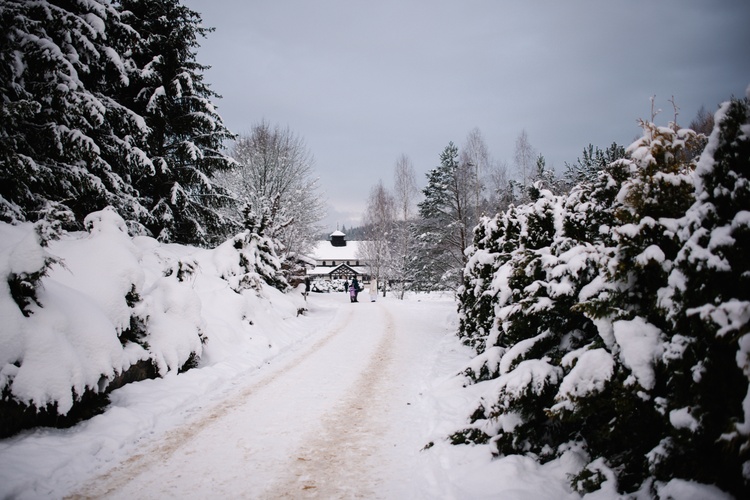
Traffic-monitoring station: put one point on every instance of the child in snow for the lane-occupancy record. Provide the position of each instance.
(352, 294)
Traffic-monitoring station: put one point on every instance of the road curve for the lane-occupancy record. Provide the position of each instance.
(313, 425)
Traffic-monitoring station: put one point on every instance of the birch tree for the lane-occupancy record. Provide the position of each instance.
(524, 160)
(405, 193)
(476, 157)
(379, 221)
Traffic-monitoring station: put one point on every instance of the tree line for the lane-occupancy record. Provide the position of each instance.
(417, 238)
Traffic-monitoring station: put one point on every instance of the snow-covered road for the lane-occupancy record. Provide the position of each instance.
(339, 418)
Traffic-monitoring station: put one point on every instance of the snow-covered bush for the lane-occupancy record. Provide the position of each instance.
(615, 319)
(707, 302)
(89, 311)
(327, 286)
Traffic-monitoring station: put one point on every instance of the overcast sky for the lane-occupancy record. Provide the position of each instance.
(363, 82)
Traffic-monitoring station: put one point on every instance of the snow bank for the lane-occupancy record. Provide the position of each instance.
(82, 310)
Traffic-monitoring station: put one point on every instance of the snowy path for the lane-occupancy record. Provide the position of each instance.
(339, 418)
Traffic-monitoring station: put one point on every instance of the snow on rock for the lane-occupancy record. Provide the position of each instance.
(640, 346)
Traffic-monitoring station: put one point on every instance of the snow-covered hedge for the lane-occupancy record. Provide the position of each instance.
(82, 311)
(615, 320)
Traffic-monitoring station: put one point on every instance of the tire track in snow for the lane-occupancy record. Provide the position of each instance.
(172, 441)
(335, 462)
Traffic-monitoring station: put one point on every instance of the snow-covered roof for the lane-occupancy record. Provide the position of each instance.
(325, 251)
(337, 233)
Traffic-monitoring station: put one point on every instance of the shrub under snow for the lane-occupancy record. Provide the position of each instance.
(88, 311)
(614, 320)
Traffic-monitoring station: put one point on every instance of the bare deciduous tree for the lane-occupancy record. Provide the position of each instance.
(378, 219)
(498, 181)
(405, 187)
(476, 157)
(524, 159)
(276, 176)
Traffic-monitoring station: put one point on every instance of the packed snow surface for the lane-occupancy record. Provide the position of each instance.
(343, 409)
(348, 401)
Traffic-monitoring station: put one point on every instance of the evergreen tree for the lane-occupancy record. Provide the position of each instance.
(591, 348)
(445, 220)
(186, 134)
(632, 327)
(106, 107)
(64, 140)
(708, 303)
(494, 241)
(592, 161)
(258, 254)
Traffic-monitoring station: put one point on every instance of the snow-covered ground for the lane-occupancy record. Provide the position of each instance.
(343, 410)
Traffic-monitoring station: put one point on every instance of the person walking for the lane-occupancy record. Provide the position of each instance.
(352, 293)
(357, 289)
(346, 286)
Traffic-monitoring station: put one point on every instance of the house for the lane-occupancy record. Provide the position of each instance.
(338, 259)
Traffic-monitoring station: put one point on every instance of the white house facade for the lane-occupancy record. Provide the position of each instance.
(338, 259)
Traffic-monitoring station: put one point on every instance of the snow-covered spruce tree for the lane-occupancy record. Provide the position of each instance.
(494, 240)
(592, 161)
(185, 140)
(63, 138)
(258, 254)
(586, 222)
(445, 215)
(533, 328)
(573, 358)
(707, 356)
(633, 329)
